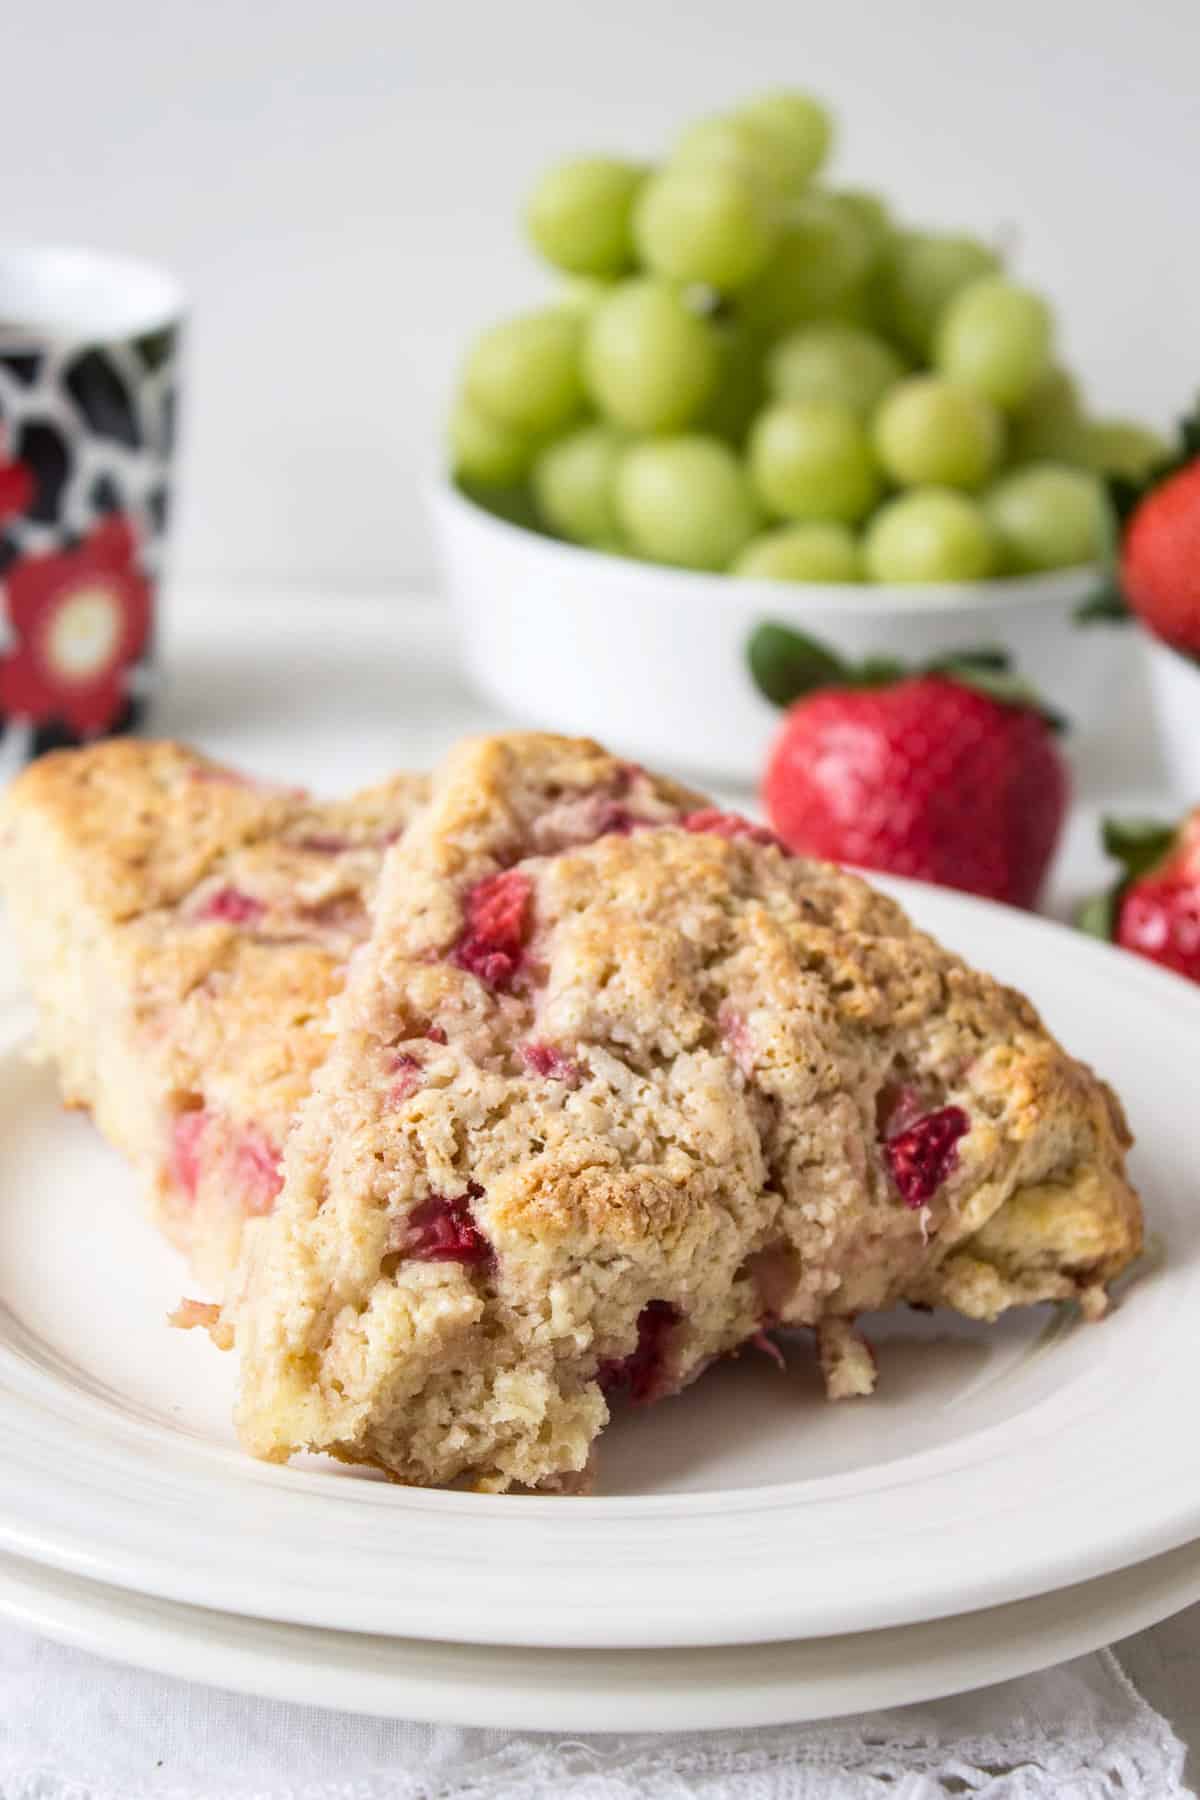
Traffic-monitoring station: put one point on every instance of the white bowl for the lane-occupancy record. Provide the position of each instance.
(1175, 684)
(652, 660)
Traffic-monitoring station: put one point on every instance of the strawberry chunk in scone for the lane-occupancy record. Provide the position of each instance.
(184, 928)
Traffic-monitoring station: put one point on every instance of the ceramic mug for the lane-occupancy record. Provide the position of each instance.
(88, 397)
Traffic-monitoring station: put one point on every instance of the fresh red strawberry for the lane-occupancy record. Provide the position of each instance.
(1155, 906)
(1160, 560)
(951, 775)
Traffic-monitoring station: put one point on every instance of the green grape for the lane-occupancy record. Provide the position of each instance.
(713, 224)
(730, 142)
(815, 552)
(930, 534)
(840, 363)
(1049, 517)
(579, 215)
(648, 362)
(1123, 447)
(871, 308)
(872, 214)
(685, 500)
(822, 257)
(854, 307)
(754, 143)
(811, 460)
(996, 337)
(484, 451)
(583, 293)
(934, 433)
(512, 503)
(524, 373)
(1049, 427)
(921, 272)
(573, 481)
(798, 124)
(740, 388)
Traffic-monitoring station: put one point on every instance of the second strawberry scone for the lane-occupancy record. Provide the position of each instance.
(616, 1087)
(183, 929)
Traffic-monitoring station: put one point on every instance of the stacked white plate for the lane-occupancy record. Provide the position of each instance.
(1012, 1495)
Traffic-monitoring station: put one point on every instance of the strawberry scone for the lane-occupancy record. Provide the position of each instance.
(183, 929)
(617, 1086)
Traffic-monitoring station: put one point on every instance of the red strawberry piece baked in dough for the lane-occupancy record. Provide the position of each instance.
(683, 1088)
(184, 928)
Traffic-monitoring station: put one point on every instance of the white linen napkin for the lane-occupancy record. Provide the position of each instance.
(74, 1727)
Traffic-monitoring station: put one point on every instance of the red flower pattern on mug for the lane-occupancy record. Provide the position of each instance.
(81, 619)
(16, 489)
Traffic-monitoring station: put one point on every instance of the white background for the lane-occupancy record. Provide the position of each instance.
(337, 184)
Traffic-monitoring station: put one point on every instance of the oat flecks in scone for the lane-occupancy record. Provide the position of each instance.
(617, 1085)
(184, 928)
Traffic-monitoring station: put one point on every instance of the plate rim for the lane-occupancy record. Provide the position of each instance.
(30, 1530)
(500, 1687)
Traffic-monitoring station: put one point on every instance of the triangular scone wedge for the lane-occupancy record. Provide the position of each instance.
(616, 1085)
(183, 929)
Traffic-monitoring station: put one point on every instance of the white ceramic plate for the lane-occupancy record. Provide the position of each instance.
(992, 1465)
(598, 1690)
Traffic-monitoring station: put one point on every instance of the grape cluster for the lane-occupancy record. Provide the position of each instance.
(750, 370)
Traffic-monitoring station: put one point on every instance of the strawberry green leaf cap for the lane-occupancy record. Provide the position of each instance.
(1125, 495)
(1106, 606)
(787, 665)
(1109, 604)
(1139, 845)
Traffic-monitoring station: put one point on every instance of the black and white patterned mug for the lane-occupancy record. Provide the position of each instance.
(89, 347)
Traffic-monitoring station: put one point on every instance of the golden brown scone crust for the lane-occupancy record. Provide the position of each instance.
(184, 928)
(668, 1112)
(148, 819)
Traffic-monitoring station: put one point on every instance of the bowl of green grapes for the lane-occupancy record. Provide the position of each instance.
(757, 395)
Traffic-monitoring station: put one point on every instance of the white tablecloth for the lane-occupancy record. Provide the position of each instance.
(335, 690)
(77, 1728)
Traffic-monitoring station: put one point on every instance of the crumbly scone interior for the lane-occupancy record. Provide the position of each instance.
(616, 1086)
(184, 929)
